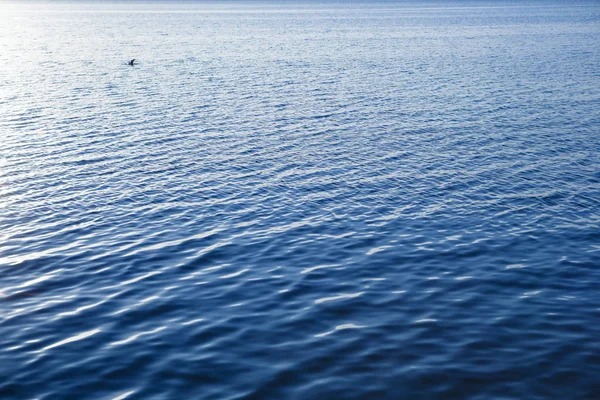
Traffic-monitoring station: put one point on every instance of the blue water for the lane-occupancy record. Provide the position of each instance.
(300, 200)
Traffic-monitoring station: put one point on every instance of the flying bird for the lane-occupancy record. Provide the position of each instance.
(131, 62)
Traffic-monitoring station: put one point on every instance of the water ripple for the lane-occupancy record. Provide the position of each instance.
(300, 200)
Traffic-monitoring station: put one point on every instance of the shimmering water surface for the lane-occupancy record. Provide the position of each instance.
(300, 201)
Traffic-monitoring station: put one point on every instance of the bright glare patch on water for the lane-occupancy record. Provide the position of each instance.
(72, 339)
(425, 320)
(338, 297)
(340, 328)
(515, 266)
(124, 395)
(136, 336)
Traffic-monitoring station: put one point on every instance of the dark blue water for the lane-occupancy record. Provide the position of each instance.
(300, 201)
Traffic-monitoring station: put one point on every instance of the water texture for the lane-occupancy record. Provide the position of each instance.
(300, 201)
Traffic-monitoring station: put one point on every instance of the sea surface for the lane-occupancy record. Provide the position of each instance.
(300, 200)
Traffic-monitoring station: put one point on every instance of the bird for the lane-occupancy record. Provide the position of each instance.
(131, 62)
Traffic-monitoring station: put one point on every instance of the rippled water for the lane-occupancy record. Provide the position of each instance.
(300, 201)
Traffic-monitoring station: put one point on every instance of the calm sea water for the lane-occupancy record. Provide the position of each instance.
(300, 201)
